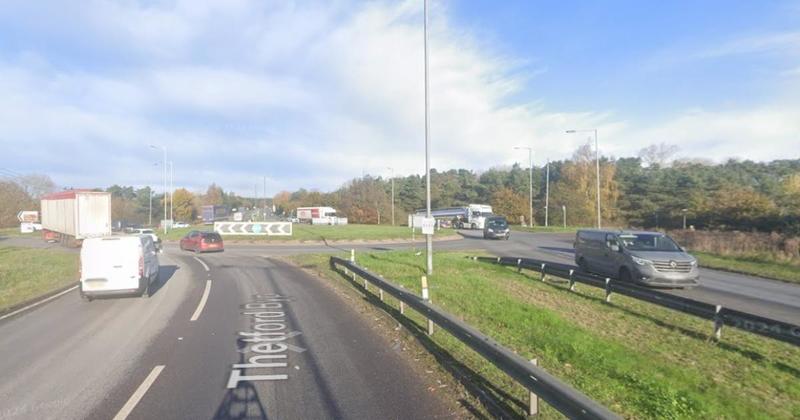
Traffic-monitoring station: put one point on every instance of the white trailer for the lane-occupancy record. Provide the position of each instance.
(74, 215)
(319, 216)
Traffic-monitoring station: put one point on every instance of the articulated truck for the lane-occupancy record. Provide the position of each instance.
(472, 216)
(71, 216)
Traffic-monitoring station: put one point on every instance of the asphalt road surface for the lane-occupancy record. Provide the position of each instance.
(248, 338)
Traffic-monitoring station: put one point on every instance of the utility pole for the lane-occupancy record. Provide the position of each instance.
(150, 215)
(428, 238)
(265, 198)
(392, 169)
(171, 191)
(164, 148)
(547, 197)
(530, 182)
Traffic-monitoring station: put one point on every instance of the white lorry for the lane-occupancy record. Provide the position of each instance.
(74, 215)
(319, 216)
(472, 216)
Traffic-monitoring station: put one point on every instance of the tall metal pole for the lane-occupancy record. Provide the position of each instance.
(150, 215)
(265, 198)
(165, 187)
(428, 238)
(530, 184)
(392, 169)
(564, 210)
(597, 163)
(171, 191)
(547, 197)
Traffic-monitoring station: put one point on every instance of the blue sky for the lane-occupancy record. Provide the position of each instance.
(311, 94)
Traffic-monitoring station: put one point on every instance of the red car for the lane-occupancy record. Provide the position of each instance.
(198, 241)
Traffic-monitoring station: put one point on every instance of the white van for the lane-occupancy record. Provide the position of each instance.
(117, 265)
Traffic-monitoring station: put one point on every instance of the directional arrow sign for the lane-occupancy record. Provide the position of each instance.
(254, 228)
(28, 216)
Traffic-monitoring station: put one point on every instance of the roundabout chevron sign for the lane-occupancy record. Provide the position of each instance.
(254, 228)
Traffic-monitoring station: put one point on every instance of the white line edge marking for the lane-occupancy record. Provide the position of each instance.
(202, 262)
(202, 303)
(126, 409)
(35, 304)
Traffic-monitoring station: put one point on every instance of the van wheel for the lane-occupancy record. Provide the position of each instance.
(84, 296)
(145, 287)
(625, 275)
(582, 265)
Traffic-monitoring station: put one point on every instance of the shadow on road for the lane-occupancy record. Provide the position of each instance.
(165, 272)
(557, 249)
(241, 402)
(497, 402)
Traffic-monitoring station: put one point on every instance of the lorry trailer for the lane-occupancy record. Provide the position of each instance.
(74, 215)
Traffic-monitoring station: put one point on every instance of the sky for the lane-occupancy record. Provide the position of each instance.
(310, 94)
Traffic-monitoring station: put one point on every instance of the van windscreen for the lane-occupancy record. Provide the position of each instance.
(648, 242)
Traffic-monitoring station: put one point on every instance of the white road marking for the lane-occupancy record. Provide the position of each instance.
(202, 303)
(35, 304)
(201, 262)
(126, 409)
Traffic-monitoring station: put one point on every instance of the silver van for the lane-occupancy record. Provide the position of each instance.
(650, 258)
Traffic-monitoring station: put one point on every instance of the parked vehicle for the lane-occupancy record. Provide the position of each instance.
(118, 265)
(496, 227)
(200, 241)
(650, 258)
(151, 233)
(73, 215)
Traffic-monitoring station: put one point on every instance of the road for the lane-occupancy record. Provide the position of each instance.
(73, 359)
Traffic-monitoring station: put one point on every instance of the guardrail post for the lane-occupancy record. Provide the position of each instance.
(402, 308)
(519, 265)
(498, 260)
(380, 292)
(533, 405)
(366, 284)
(426, 297)
(718, 323)
(543, 273)
(352, 255)
(571, 281)
(608, 290)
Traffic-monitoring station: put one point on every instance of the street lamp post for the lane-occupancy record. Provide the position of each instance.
(428, 238)
(164, 148)
(684, 217)
(564, 211)
(150, 214)
(530, 182)
(171, 192)
(391, 169)
(547, 197)
(597, 166)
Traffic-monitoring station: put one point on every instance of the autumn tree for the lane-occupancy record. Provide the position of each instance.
(184, 205)
(577, 189)
(13, 199)
(514, 206)
(214, 195)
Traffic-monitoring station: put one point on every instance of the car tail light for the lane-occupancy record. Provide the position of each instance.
(141, 266)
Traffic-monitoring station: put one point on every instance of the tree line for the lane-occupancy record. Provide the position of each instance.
(650, 190)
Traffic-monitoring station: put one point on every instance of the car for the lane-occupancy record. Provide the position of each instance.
(202, 241)
(496, 227)
(180, 225)
(647, 258)
(149, 232)
(117, 265)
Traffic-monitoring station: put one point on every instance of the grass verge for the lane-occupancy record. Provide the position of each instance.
(639, 360)
(27, 273)
(750, 265)
(328, 233)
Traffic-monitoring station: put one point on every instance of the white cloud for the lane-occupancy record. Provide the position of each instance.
(308, 94)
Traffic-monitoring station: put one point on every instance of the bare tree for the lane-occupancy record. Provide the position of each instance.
(658, 154)
(36, 185)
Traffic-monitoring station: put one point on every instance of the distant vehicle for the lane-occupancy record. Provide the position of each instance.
(118, 265)
(319, 216)
(649, 258)
(200, 241)
(73, 215)
(211, 214)
(180, 225)
(472, 216)
(496, 227)
(149, 232)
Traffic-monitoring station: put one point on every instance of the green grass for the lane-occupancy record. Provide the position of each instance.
(750, 265)
(542, 229)
(640, 360)
(318, 232)
(14, 231)
(27, 273)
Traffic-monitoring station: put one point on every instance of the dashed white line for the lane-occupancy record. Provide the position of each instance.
(202, 303)
(126, 409)
(202, 262)
(35, 304)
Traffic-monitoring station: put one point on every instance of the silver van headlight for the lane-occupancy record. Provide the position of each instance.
(640, 261)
